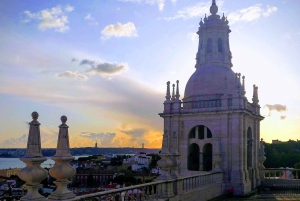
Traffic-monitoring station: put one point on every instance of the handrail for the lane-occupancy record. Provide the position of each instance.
(184, 184)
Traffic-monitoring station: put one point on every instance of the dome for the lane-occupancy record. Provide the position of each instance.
(210, 80)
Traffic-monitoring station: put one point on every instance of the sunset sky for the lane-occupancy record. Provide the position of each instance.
(105, 63)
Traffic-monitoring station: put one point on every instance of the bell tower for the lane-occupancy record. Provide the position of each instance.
(213, 46)
(214, 128)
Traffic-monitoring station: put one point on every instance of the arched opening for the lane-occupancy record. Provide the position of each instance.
(249, 147)
(220, 45)
(193, 157)
(209, 45)
(207, 157)
(192, 133)
(201, 132)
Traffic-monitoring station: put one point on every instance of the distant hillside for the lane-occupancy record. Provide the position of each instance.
(91, 151)
(17, 153)
(283, 154)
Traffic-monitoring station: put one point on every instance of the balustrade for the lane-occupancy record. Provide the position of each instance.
(282, 173)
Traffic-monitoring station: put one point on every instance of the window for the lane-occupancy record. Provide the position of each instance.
(229, 101)
(209, 45)
(220, 45)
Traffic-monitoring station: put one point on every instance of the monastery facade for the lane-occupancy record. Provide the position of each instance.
(214, 128)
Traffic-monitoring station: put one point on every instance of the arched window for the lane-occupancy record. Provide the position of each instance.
(207, 157)
(193, 157)
(192, 133)
(200, 132)
(209, 45)
(220, 45)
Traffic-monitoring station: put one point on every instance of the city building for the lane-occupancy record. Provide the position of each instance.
(9, 172)
(276, 141)
(96, 177)
(141, 160)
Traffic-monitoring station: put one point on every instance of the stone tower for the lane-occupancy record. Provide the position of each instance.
(214, 127)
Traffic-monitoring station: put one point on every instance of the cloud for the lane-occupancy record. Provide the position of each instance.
(193, 36)
(74, 59)
(108, 68)
(94, 23)
(275, 107)
(89, 17)
(53, 18)
(137, 136)
(269, 10)
(193, 11)
(14, 142)
(159, 3)
(105, 68)
(119, 30)
(91, 20)
(251, 13)
(105, 139)
(69, 8)
(73, 74)
(88, 62)
(135, 133)
(282, 117)
(48, 139)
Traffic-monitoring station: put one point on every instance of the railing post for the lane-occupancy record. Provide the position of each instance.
(62, 171)
(33, 173)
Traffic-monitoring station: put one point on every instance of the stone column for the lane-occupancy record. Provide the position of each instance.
(33, 173)
(62, 171)
(217, 156)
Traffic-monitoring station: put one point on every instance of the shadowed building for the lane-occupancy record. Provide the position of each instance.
(214, 127)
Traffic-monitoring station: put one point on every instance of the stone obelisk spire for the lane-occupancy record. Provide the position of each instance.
(62, 171)
(33, 173)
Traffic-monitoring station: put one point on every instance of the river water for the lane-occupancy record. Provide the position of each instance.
(6, 163)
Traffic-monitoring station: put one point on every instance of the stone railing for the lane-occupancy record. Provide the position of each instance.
(202, 104)
(281, 177)
(155, 190)
(159, 190)
(33, 174)
(282, 173)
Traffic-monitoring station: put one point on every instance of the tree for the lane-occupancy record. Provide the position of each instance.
(116, 161)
